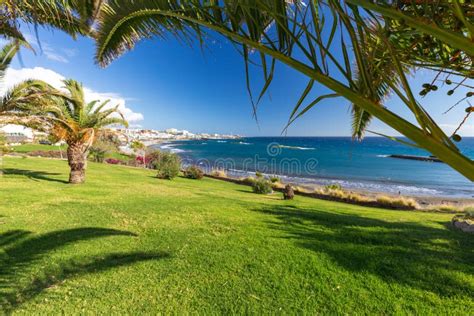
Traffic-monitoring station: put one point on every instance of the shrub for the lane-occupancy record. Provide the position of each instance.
(3, 144)
(262, 186)
(97, 154)
(102, 146)
(193, 172)
(168, 165)
(112, 161)
(248, 180)
(274, 179)
(152, 157)
(258, 174)
(469, 210)
(219, 173)
(443, 208)
(397, 202)
(45, 153)
(334, 186)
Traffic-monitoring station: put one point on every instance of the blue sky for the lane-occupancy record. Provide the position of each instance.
(165, 84)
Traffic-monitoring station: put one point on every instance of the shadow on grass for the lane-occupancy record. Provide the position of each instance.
(25, 258)
(432, 259)
(35, 175)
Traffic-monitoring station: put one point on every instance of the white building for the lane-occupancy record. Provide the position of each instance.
(17, 133)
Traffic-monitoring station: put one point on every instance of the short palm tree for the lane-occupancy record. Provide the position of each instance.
(66, 116)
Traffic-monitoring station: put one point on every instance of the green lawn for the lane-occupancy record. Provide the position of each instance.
(26, 148)
(126, 242)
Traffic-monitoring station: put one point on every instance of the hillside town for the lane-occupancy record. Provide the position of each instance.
(150, 136)
(19, 134)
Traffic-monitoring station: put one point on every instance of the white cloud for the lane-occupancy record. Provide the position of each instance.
(70, 52)
(55, 57)
(50, 52)
(14, 76)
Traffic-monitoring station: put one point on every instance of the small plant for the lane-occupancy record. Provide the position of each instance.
(151, 157)
(193, 172)
(97, 154)
(168, 165)
(3, 144)
(469, 210)
(274, 179)
(248, 180)
(112, 161)
(220, 173)
(444, 208)
(397, 202)
(258, 174)
(262, 186)
(45, 154)
(333, 187)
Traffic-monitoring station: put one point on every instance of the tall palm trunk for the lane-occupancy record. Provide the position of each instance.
(77, 159)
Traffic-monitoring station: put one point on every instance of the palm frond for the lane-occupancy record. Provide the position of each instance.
(7, 53)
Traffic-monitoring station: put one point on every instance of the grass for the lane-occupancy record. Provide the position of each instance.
(126, 242)
(26, 148)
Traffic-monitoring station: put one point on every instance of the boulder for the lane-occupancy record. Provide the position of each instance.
(463, 223)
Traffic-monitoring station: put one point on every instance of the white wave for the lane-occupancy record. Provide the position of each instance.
(296, 147)
(171, 148)
(383, 156)
(222, 141)
(244, 143)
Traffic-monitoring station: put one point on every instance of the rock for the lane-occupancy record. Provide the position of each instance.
(463, 224)
(288, 192)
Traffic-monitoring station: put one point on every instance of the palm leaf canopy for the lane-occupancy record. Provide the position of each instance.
(74, 17)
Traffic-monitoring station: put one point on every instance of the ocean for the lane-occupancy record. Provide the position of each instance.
(326, 160)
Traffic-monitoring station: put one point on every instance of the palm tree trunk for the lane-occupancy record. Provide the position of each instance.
(77, 159)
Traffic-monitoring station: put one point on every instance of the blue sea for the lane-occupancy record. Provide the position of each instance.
(324, 160)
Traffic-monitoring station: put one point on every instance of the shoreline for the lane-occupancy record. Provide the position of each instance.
(423, 201)
(367, 187)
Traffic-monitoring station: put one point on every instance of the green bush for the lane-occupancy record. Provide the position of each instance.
(97, 154)
(152, 157)
(193, 172)
(3, 144)
(262, 186)
(469, 211)
(168, 165)
(248, 180)
(333, 187)
(258, 174)
(101, 147)
(274, 179)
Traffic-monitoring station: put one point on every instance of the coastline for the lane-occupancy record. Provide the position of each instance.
(423, 186)
(425, 202)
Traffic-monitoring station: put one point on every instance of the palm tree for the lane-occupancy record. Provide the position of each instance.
(313, 38)
(66, 116)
